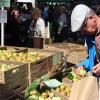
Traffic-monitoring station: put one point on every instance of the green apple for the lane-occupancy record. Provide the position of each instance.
(4, 67)
(33, 97)
(83, 73)
(75, 79)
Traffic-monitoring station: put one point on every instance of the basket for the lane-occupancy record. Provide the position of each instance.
(14, 79)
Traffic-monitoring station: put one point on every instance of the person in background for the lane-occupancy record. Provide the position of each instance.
(37, 28)
(25, 19)
(85, 20)
(13, 26)
(39, 23)
(62, 24)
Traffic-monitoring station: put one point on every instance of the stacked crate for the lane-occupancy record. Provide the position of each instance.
(38, 68)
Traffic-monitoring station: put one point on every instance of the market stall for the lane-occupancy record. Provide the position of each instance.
(36, 63)
(32, 73)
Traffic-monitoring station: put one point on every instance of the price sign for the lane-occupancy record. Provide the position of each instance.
(3, 16)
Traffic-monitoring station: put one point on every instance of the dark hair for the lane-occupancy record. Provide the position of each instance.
(98, 10)
(36, 11)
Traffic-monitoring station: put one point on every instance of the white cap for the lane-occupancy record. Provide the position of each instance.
(78, 16)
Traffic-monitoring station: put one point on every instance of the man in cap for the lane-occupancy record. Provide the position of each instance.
(85, 19)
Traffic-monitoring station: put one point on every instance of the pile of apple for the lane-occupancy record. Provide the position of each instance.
(64, 90)
(44, 96)
(20, 57)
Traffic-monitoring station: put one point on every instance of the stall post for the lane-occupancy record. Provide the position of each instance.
(2, 31)
(3, 17)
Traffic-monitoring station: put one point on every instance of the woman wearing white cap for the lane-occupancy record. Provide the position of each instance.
(85, 19)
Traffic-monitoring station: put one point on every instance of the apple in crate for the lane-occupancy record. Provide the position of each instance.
(4, 67)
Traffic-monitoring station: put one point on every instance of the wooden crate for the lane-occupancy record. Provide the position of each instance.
(53, 57)
(56, 69)
(2, 47)
(44, 65)
(14, 49)
(15, 79)
(76, 56)
(57, 58)
(37, 70)
(69, 46)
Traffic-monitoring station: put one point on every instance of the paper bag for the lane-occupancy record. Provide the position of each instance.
(85, 89)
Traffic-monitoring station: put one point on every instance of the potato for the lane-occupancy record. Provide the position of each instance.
(33, 92)
(45, 95)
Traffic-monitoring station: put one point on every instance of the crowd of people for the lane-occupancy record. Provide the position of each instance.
(22, 23)
(16, 28)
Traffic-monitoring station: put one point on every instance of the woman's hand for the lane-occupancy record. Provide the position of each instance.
(96, 69)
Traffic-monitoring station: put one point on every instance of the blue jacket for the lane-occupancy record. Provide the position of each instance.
(90, 61)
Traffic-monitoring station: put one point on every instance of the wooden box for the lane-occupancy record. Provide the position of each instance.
(14, 79)
(44, 65)
(37, 70)
(76, 56)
